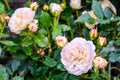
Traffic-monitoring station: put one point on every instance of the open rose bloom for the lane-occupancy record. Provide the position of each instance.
(20, 19)
(77, 56)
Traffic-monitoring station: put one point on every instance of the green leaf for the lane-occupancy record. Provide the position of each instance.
(42, 31)
(18, 78)
(41, 40)
(114, 57)
(0, 51)
(50, 62)
(12, 66)
(85, 18)
(107, 12)
(12, 49)
(54, 1)
(45, 19)
(27, 50)
(2, 8)
(117, 42)
(101, 21)
(27, 41)
(97, 9)
(73, 77)
(86, 34)
(107, 50)
(3, 73)
(61, 67)
(56, 32)
(8, 43)
(64, 27)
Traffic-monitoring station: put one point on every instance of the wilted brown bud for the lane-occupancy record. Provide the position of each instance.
(40, 51)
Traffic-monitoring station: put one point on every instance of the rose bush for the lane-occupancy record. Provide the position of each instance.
(59, 40)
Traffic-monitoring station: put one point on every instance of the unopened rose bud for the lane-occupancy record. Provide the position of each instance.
(45, 7)
(61, 41)
(40, 51)
(63, 5)
(93, 33)
(100, 62)
(102, 41)
(56, 9)
(7, 18)
(34, 6)
(75, 4)
(33, 27)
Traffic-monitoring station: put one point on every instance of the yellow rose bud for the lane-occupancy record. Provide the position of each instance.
(63, 5)
(93, 33)
(45, 7)
(7, 18)
(100, 62)
(102, 41)
(33, 27)
(61, 41)
(34, 6)
(40, 51)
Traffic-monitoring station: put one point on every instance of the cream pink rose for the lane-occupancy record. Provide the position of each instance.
(20, 19)
(61, 41)
(100, 62)
(77, 56)
(75, 4)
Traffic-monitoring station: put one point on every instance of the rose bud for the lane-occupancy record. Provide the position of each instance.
(45, 7)
(7, 18)
(40, 51)
(102, 41)
(61, 41)
(93, 33)
(75, 4)
(34, 6)
(33, 27)
(100, 62)
(63, 5)
(55, 9)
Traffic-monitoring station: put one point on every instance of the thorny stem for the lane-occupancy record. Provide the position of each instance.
(6, 2)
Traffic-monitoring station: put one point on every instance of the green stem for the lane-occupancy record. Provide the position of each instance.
(6, 2)
(77, 13)
(115, 68)
(71, 31)
(109, 71)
